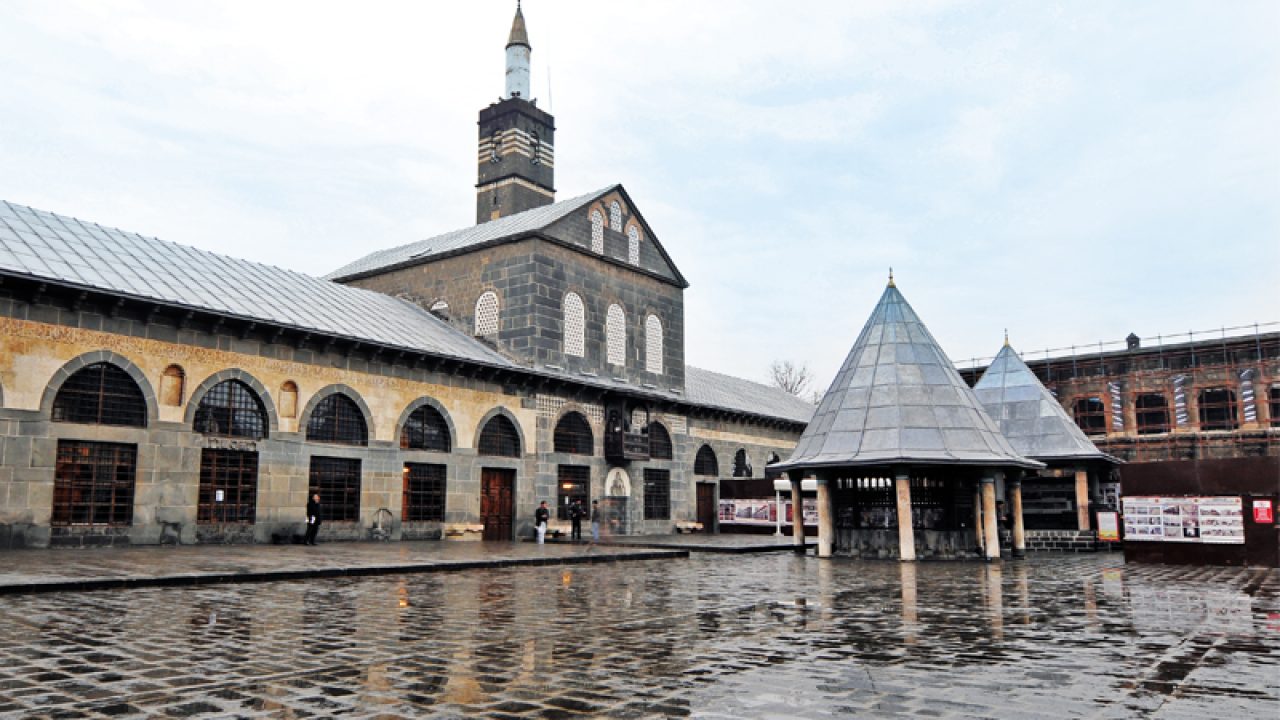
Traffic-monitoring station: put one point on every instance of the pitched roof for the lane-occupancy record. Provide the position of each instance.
(898, 400)
(1033, 420)
(41, 244)
(712, 389)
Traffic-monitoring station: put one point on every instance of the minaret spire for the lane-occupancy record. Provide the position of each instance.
(518, 51)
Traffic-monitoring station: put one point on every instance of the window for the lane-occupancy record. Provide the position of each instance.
(1218, 409)
(100, 394)
(337, 419)
(615, 335)
(535, 143)
(499, 438)
(424, 490)
(653, 345)
(337, 481)
(231, 409)
(289, 399)
(659, 442)
(228, 487)
(573, 483)
(1152, 414)
(426, 429)
(1091, 415)
(657, 494)
(705, 462)
(615, 216)
(597, 231)
(633, 245)
(1275, 405)
(93, 483)
(573, 435)
(172, 384)
(487, 313)
(575, 326)
(741, 464)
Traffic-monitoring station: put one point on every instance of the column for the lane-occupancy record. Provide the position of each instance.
(906, 532)
(910, 606)
(1019, 530)
(990, 527)
(1082, 498)
(979, 536)
(826, 518)
(797, 514)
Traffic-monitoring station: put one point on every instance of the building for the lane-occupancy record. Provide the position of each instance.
(151, 392)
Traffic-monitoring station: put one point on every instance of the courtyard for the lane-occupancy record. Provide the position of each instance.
(753, 636)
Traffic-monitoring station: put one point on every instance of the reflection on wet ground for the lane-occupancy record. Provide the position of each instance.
(712, 637)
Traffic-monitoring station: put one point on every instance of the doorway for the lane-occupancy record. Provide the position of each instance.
(707, 506)
(497, 489)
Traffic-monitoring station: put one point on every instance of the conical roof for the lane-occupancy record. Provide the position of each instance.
(1032, 419)
(898, 400)
(519, 36)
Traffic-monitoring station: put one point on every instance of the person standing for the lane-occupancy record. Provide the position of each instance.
(313, 519)
(595, 521)
(576, 511)
(540, 518)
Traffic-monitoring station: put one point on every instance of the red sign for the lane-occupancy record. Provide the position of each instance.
(1262, 513)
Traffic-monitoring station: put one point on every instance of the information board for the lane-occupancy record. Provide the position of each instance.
(1184, 519)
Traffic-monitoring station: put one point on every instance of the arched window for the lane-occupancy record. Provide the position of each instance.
(575, 326)
(1152, 413)
(172, 384)
(426, 429)
(337, 419)
(633, 245)
(231, 409)
(741, 464)
(289, 399)
(1218, 409)
(487, 313)
(499, 437)
(615, 335)
(100, 394)
(440, 308)
(659, 442)
(705, 462)
(653, 345)
(1091, 415)
(615, 216)
(597, 231)
(573, 435)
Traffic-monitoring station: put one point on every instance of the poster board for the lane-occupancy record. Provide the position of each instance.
(1109, 527)
(747, 511)
(1218, 520)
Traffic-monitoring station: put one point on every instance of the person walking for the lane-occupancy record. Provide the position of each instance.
(313, 519)
(595, 521)
(540, 518)
(576, 511)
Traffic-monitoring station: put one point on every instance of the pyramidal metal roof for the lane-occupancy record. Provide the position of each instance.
(898, 400)
(1029, 416)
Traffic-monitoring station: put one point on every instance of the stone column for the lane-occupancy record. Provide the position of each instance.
(910, 606)
(990, 526)
(1019, 530)
(1082, 498)
(826, 519)
(906, 533)
(797, 514)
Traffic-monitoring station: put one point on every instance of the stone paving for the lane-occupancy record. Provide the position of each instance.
(707, 542)
(710, 636)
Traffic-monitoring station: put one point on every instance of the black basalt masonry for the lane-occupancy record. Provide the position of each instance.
(511, 198)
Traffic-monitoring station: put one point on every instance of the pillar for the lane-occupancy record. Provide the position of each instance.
(979, 536)
(797, 514)
(1019, 530)
(990, 527)
(910, 605)
(1082, 498)
(906, 532)
(826, 519)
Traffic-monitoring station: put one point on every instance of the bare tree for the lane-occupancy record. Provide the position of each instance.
(789, 376)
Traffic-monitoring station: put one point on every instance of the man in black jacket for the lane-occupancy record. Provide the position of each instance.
(576, 511)
(540, 518)
(313, 519)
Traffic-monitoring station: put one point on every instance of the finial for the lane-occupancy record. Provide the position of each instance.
(1006, 337)
(891, 277)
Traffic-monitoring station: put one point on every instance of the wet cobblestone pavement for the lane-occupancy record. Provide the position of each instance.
(709, 636)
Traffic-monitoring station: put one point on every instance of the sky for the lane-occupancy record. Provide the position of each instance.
(1072, 172)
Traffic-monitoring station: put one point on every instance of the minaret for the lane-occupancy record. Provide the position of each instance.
(516, 160)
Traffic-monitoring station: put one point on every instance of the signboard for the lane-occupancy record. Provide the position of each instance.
(1109, 527)
(1221, 520)
(764, 512)
(1262, 513)
(1183, 519)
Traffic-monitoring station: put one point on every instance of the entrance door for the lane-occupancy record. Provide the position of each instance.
(497, 488)
(707, 506)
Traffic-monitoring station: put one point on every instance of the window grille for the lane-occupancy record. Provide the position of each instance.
(100, 394)
(426, 429)
(741, 464)
(573, 435)
(1218, 409)
(615, 333)
(487, 313)
(575, 326)
(231, 409)
(633, 245)
(1274, 403)
(337, 481)
(1091, 415)
(597, 231)
(659, 442)
(653, 345)
(424, 493)
(615, 216)
(705, 462)
(499, 438)
(573, 483)
(1152, 413)
(228, 487)
(93, 483)
(657, 494)
(337, 419)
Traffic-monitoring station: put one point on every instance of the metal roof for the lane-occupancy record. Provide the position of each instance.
(898, 400)
(712, 389)
(1032, 419)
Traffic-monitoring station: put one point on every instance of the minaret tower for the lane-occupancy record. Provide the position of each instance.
(516, 163)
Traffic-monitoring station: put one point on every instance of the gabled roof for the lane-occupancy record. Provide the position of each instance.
(898, 400)
(1032, 419)
(712, 389)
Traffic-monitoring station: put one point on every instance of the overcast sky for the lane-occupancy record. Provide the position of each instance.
(1071, 171)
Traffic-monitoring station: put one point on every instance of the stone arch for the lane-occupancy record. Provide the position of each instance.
(705, 463)
(426, 401)
(569, 423)
(80, 362)
(304, 418)
(289, 399)
(264, 397)
(659, 433)
(742, 464)
(520, 433)
(173, 385)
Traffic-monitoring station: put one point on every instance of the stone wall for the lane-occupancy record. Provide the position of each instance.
(1063, 541)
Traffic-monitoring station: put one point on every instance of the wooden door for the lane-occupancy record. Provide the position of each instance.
(497, 490)
(707, 506)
